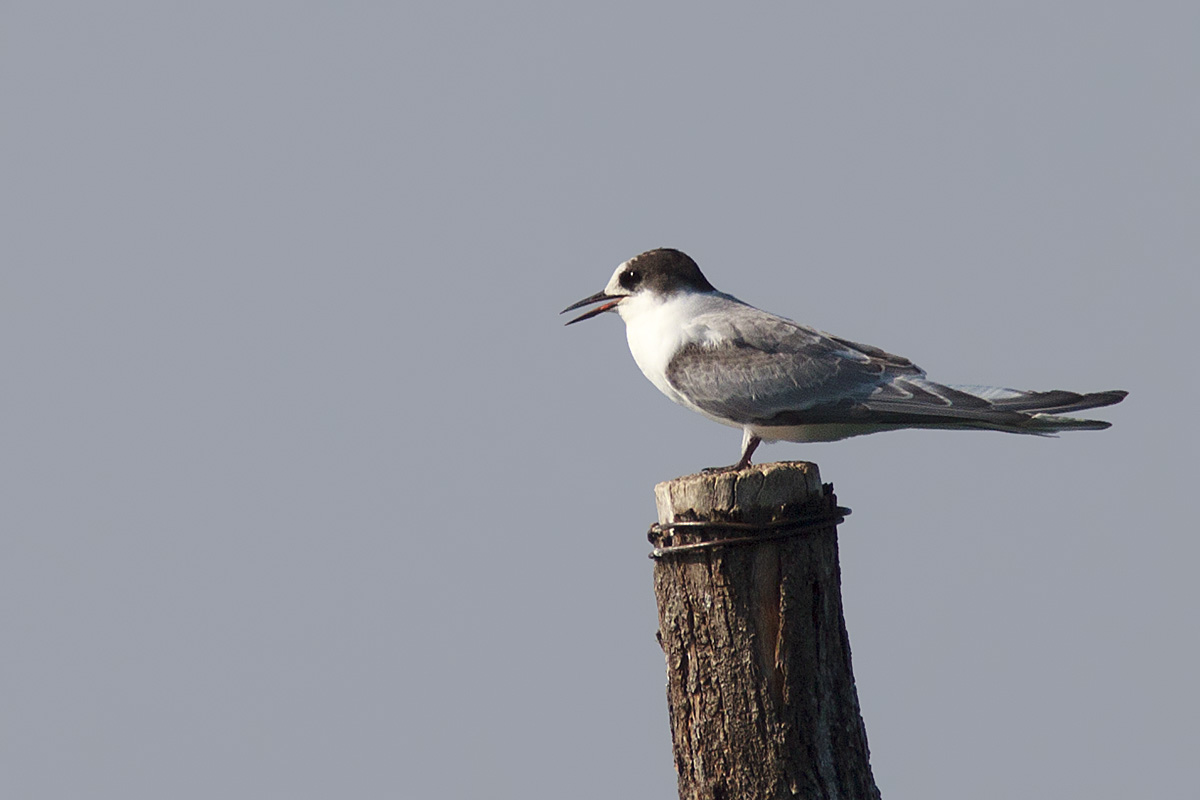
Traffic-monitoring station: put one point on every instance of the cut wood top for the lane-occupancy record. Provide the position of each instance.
(750, 494)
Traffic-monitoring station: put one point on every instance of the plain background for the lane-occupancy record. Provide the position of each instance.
(307, 494)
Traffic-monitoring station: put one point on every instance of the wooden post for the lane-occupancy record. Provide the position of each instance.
(759, 684)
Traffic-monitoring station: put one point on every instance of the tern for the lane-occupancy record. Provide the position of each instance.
(779, 380)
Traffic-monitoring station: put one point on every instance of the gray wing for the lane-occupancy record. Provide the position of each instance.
(767, 370)
(772, 372)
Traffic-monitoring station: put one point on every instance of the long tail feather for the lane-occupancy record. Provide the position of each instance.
(919, 402)
(1055, 401)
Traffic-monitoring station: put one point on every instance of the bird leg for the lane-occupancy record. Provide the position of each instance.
(749, 443)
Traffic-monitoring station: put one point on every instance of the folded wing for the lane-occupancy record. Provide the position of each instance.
(779, 373)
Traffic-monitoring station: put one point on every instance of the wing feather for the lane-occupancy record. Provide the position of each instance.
(769, 371)
(767, 367)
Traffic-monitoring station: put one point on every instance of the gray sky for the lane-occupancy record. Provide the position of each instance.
(306, 493)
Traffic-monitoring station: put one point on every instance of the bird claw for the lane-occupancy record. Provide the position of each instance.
(738, 467)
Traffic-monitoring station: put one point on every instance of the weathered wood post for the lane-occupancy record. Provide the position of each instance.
(759, 684)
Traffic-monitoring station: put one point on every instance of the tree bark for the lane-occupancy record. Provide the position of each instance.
(760, 688)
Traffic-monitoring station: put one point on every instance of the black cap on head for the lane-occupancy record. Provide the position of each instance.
(663, 271)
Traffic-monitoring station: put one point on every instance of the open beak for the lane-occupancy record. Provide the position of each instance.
(598, 297)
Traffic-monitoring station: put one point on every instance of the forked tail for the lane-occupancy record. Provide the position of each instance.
(1032, 412)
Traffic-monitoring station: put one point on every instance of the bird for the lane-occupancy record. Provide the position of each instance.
(779, 380)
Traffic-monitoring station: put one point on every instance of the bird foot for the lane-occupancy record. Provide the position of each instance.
(748, 448)
(738, 467)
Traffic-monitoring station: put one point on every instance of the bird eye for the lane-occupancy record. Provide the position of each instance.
(630, 278)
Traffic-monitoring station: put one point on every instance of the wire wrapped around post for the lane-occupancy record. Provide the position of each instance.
(761, 531)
